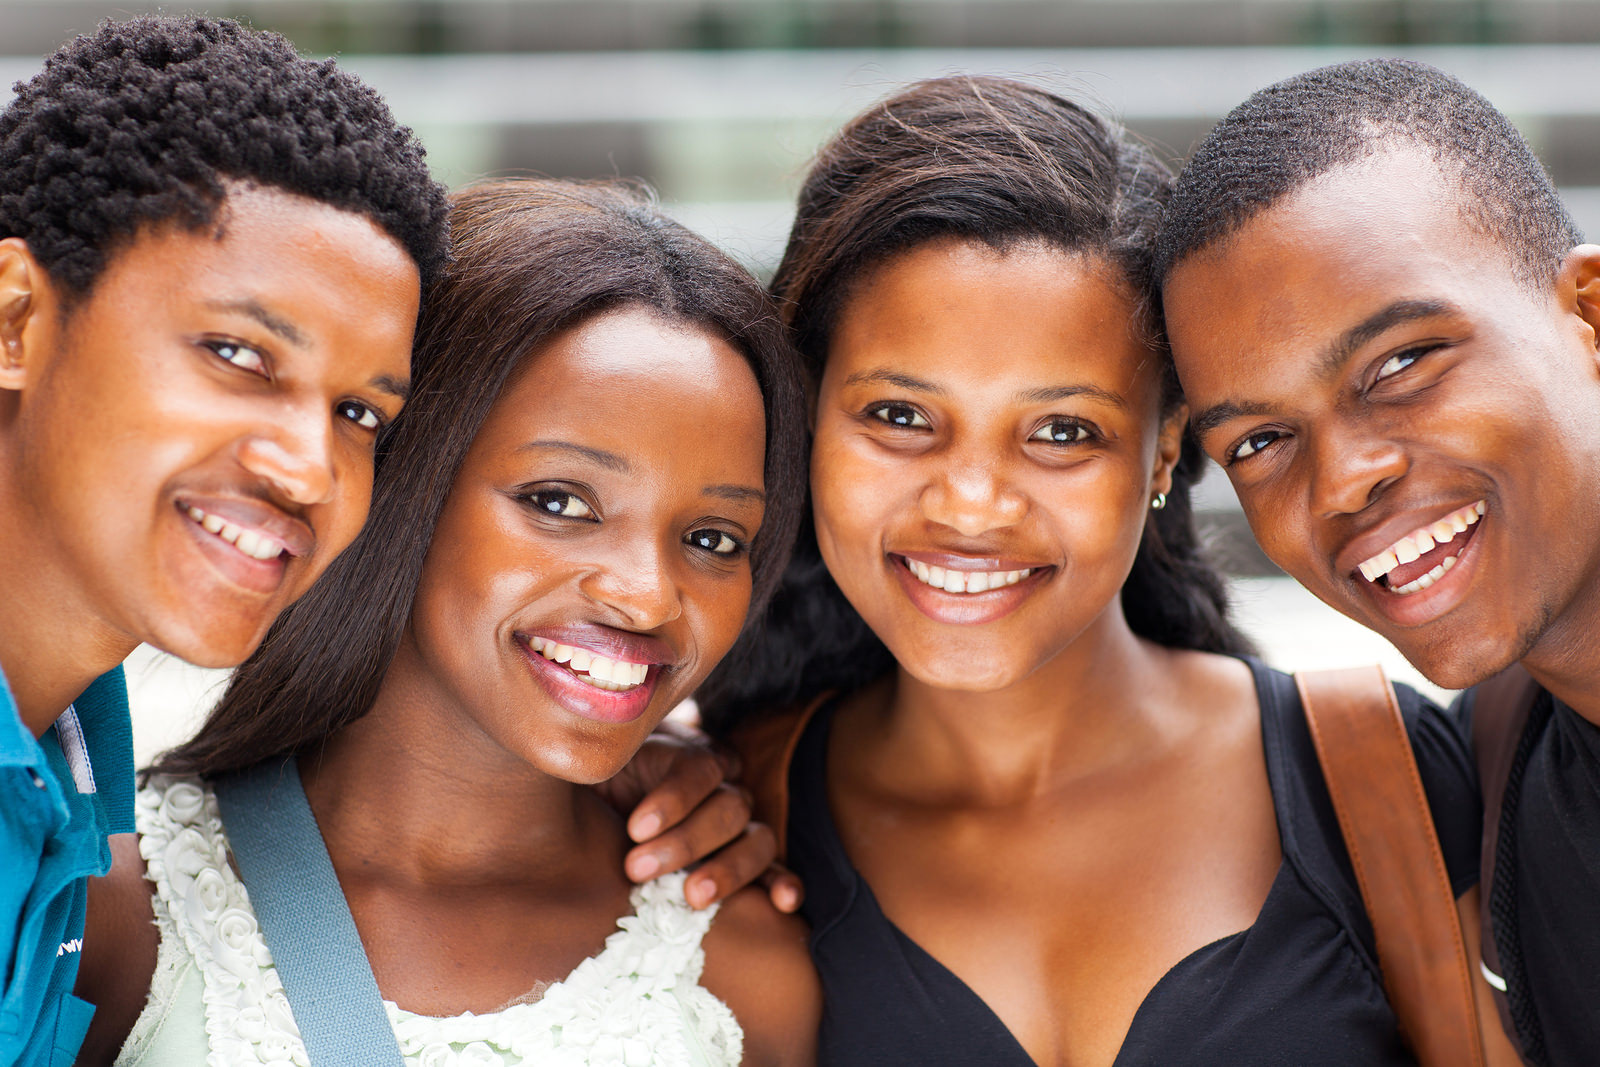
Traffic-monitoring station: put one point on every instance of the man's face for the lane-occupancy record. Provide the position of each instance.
(191, 443)
(1411, 429)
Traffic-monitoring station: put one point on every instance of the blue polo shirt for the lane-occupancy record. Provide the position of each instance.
(60, 795)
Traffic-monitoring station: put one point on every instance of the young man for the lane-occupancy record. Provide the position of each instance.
(211, 253)
(1387, 330)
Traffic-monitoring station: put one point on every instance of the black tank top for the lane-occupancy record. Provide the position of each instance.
(1298, 987)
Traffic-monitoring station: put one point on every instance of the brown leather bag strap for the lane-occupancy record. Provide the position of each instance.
(766, 748)
(1388, 828)
(1500, 710)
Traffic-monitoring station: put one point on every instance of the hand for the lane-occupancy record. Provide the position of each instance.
(684, 811)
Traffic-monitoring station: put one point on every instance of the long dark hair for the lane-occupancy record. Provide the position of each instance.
(531, 259)
(998, 162)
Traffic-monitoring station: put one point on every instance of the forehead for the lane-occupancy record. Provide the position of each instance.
(1340, 249)
(964, 312)
(632, 380)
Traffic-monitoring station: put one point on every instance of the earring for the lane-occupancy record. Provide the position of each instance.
(1158, 502)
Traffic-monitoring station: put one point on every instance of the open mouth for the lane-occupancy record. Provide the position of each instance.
(953, 581)
(602, 672)
(1425, 555)
(252, 543)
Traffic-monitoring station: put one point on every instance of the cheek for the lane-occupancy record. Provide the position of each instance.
(851, 493)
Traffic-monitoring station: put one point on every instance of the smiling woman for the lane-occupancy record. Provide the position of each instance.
(1046, 809)
(593, 483)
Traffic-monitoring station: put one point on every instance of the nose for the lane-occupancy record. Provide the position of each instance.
(1352, 468)
(635, 582)
(971, 494)
(296, 454)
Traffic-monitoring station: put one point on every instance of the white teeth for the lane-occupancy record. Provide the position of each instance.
(603, 672)
(1419, 542)
(252, 543)
(964, 581)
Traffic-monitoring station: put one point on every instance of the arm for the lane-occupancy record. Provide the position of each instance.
(1497, 1048)
(757, 963)
(119, 952)
(683, 810)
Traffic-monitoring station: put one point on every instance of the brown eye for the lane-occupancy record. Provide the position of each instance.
(1061, 432)
(561, 503)
(903, 415)
(717, 541)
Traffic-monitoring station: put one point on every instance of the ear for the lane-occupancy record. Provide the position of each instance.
(1169, 446)
(1580, 281)
(21, 299)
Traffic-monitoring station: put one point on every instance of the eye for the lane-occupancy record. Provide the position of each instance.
(358, 413)
(242, 356)
(1061, 432)
(1253, 443)
(903, 415)
(723, 544)
(1397, 363)
(559, 502)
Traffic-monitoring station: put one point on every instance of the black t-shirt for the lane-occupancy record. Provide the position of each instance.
(1300, 986)
(1547, 927)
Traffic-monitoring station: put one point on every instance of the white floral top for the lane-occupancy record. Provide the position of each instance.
(216, 998)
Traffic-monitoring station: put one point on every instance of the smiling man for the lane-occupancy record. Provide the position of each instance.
(211, 254)
(1387, 331)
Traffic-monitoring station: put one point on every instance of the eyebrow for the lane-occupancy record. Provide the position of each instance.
(737, 493)
(889, 377)
(272, 323)
(1401, 311)
(1061, 392)
(394, 386)
(1332, 361)
(609, 460)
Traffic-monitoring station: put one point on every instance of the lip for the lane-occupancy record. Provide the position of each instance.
(583, 699)
(966, 609)
(1425, 605)
(262, 577)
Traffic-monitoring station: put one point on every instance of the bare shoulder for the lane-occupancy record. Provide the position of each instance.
(119, 951)
(1220, 687)
(757, 963)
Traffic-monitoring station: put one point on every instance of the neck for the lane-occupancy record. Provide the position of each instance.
(53, 642)
(1082, 712)
(414, 792)
(1566, 658)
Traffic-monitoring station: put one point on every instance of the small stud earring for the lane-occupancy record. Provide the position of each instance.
(1158, 502)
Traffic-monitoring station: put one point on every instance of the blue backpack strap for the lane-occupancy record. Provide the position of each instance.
(295, 894)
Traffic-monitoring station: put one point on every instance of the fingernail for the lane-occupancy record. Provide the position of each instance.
(647, 826)
(645, 867)
(698, 893)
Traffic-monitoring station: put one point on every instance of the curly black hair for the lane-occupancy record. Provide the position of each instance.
(145, 121)
(1287, 134)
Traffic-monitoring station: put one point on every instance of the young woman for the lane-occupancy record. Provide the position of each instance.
(595, 479)
(1045, 809)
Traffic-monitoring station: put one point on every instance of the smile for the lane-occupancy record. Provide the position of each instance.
(602, 672)
(253, 543)
(953, 581)
(1399, 560)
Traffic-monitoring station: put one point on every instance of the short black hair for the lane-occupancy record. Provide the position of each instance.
(144, 121)
(1287, 134)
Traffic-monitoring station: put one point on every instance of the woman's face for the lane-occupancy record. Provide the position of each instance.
(592, 561)
(988, 437)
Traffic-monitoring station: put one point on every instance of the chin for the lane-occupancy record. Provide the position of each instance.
(1453, 663)
(942, 673)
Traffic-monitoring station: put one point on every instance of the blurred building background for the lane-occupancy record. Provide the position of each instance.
(720, 103)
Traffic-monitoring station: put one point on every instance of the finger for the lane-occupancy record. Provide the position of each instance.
(715, 822)
(691, 779)
(784, 888)
(734, 867)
